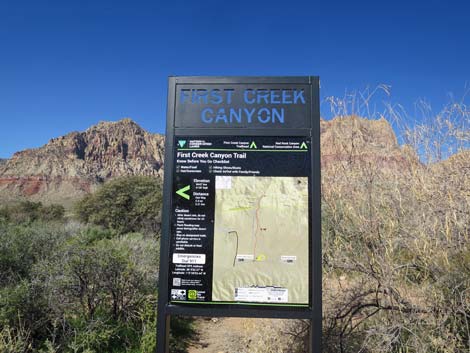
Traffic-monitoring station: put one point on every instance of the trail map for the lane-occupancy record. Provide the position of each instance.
(261, 239)
(241, 221)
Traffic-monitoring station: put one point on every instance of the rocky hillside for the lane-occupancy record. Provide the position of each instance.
(69, 166)
(74, 164)
(357, 141)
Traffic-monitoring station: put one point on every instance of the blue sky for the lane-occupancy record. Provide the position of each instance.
(65, 65)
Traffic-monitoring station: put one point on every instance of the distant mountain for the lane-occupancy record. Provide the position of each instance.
(72, 165)
(69, 166)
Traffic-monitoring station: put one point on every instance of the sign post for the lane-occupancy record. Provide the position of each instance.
(241, 228)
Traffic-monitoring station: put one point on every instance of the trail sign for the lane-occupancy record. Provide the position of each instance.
(241, 214)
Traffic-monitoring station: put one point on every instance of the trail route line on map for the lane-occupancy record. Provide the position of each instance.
(261, 240)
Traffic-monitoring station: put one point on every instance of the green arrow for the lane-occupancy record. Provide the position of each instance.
(253, 145)
(182, 192)
(182, 143)
(303, 146)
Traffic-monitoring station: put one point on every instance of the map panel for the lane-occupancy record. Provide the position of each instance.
(261, 239)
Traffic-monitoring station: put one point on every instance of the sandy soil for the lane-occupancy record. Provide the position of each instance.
(241, 335)
(219, 335)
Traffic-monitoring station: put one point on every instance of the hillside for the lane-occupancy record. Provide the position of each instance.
(69, 166)
(354, 139)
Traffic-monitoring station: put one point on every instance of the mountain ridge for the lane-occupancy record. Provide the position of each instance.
(69, 166)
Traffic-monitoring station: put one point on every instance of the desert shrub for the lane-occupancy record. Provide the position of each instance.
(125, 205)
(395, 278)
(89, 279)
(68, 287)
(148, 340)
(14, 340)
(101, 288)
(28, 211)
(23, 306)
(23, 245)
(182, 330)
(395, 240)
(52, 212)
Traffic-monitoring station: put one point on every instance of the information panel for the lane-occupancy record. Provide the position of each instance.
(240, 220)
(241, 216)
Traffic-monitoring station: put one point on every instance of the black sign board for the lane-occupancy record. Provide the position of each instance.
(241, 214)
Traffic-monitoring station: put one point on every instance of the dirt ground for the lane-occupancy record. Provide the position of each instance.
(240, 335)
(219, 335)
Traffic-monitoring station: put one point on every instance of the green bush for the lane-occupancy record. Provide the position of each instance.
(23, 245)
(125, 205)
(87, 289)
(28, 212)
(102, 287)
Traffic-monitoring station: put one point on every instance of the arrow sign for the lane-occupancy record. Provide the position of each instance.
(303, 146)
(182, 192)
(253, 145)
(181, 143)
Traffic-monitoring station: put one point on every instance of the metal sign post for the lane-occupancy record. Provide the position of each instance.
(241, 226)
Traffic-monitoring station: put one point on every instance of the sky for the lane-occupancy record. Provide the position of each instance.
(66, 65)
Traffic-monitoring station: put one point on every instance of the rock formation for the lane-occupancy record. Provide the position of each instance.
(354, 140)
(69, 166)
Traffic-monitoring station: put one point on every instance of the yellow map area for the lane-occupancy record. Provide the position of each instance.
(261, 240)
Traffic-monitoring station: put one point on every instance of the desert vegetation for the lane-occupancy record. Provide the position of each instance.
(88, 283)
(395, 230)
(396, 254)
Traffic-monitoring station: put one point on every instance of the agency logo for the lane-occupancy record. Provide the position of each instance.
(192, 294)
(178, 294)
